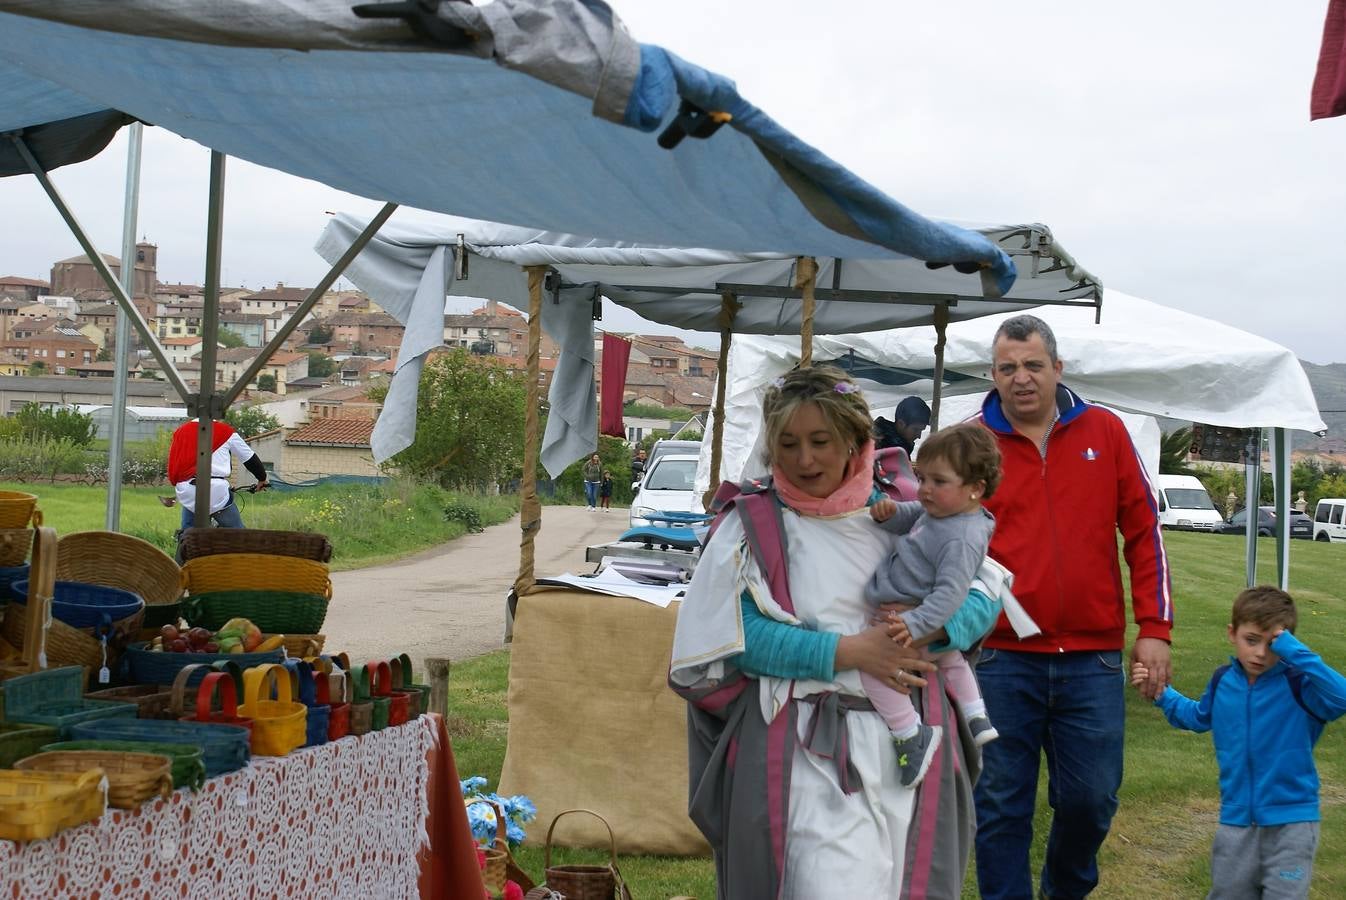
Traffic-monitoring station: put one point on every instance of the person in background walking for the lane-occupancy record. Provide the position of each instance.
(605, 490)
(593, 474)
(638, 464)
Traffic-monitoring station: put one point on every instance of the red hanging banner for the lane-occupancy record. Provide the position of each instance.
(616, 354)
(1329, 84)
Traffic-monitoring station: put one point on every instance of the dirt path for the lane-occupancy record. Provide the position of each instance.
(449, 601)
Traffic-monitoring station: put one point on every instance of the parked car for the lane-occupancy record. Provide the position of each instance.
(1301, 526)
(1184, 504)
(1329, 520)
(667, 487)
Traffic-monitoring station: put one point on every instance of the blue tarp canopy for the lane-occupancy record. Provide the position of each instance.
(547, 116)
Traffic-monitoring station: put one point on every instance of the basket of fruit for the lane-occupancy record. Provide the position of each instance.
(36, 805)
(214, 541)
(18, 509)
(275, 612)
(255, 572)
(152, 701)
(213, 684)
(278, 723)
(55, 697)
(187, 770)
(319, 715)
(14, 546)
(18, 740)
(327, 686)
(403, 681)
(224, 748)
(159, 661)
(132, 778)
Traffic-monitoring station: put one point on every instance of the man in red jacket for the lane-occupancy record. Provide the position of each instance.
(226, 443)
(1071, 480)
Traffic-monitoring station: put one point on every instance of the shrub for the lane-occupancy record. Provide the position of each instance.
(30, 459)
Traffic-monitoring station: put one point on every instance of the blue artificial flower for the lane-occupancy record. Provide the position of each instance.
(470, 786)
(513, 834)
(481, 819)
(520, 809)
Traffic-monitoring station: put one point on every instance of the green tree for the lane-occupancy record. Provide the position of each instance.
(1173, 449)
(251, 421)
(36, 423)
(37, 367)
(230, 339)
(320, 334)
(104, 354)
(266, 382)
(320, 365)
(469, 422)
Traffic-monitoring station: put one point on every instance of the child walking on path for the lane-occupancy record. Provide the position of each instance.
(944, 537)
(1265, 710)
(605, 490)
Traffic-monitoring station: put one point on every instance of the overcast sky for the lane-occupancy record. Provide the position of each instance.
(1167, 145)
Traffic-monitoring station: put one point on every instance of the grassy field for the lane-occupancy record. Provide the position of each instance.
(367, 524)
(1160, 840)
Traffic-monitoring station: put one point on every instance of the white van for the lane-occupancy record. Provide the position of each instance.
(1184, 504)
(1329, 520)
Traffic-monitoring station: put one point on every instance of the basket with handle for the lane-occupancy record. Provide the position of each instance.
(18, 510)
(255, 572)
(278, 723)
(580, 882)
(18, 740)
(36, 805)
(318, 715)
(152, 701)
(274, 612)
(66, 645)
(29, 634)
(117, 560)
(14, 546)
(213, 684)
(214, 541)
(55, 697)
(493, 874)
(362, 706)
(400, 702)
(403, 681)
(224, 748)
(339, 719)
(188, 769)
(132, 778)
(380, 678)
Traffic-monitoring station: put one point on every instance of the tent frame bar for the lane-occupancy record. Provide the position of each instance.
(781, 292)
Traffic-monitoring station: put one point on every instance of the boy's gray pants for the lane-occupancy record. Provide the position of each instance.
(1262, 861)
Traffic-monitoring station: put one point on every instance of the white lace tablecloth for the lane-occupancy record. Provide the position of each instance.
(345, 819)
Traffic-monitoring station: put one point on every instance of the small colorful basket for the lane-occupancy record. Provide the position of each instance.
(278, 723)
(189, 770)
(339, 720)
(224, 748)
(132, 778)
(56, 698)
(152, 701)
(36, 805)
(213, 684)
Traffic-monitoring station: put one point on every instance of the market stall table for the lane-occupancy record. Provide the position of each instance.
(378, 815)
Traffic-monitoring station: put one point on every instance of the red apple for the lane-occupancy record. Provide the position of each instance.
(198, 637)
(169, 633)
(211, 647)
(178, 646)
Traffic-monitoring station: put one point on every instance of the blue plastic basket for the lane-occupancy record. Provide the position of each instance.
(55, 697)
(8, 576)
(144, 666)
(224, 748)
(81, 605)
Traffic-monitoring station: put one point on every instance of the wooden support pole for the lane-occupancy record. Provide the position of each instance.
(729, 307)
(530, 509)
(438, 669)
(806, 272)
(941, 327)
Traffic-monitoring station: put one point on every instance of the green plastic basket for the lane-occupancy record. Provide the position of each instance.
(56, 698)
(274, 612)
(188, 768)
(18, 740)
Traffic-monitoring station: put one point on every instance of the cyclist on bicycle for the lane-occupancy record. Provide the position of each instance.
(225, 444)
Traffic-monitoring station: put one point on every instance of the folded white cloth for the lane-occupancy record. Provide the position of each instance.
(995, 580)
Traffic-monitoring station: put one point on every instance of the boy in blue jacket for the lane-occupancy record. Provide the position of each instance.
(1265, 710)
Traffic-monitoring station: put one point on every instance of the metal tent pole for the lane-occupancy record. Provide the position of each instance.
(208, 406)
(1252, 499)
(121, 350)
(1280, 467)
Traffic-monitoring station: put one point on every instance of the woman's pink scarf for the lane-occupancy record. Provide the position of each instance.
(853, 493)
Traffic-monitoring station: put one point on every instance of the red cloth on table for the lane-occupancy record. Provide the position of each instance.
(449, 868)
(1329, 84)
(616, 354)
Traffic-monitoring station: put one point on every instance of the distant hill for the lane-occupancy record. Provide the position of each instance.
(1329, 389)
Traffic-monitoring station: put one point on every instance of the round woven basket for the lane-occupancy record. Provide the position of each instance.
(255, 572)
(17, 509)
(14, 545)
(132, 778)
(197, 542)
(70, 646)
(119, 561)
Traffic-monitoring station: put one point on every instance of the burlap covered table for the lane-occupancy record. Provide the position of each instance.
(593, 724)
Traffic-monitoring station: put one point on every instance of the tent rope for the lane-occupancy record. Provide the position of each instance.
(806, 272)
(530, 509)
(729, 307)
(941, 327)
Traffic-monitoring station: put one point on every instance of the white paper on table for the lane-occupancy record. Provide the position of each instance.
(615, 584)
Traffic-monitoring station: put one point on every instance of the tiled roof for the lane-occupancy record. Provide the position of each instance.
(19, 280)
(187, 341)
(334, 432)
(287, 294)
(84, 258)
(237, 354)
(340, 395)
(283, 358)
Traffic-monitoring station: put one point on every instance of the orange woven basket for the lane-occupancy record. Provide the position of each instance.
(255, 572)
(18, 510)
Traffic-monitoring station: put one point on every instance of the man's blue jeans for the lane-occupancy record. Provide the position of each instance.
(228, 517)
(1070, 706)
(591, 493)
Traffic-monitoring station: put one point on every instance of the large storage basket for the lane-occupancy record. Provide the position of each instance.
(274, 612)
(14, 546)
(82, 605)
(120, 561)
(36, 805)
(132, 778)
(145, 666)
(224, 748)
(28, 636)
(18, 509)
(56, 698)
(255, 572)
(187, 768)
(198, 542)
(152, 701)
(18, 740)
(278, 725)
(67, 645)
(12, 573)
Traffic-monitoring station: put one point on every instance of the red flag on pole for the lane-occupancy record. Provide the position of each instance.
(1329, 84)
(616, 354)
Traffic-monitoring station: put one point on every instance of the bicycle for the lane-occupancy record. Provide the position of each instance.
(170, 502)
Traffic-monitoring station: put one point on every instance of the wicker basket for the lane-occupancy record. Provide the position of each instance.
(197, 542)
(120, 561)
(255, 572)
(390, 707)
(56, 698)
(329, 685)
(362, 708)
(274, 612)
(11, 574)
(403, 681)
(497, 853)
(89, 606)
(317, 715)
(18, 740)
(132, 778)
(18, 510)
(145, 666)
(36, 805)
(70, 646)
(29, 636)
(278, 725)
(152, 701)
(14, 545)
(585, 882)
(211, 685)
(187, 768)
(224, 748)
